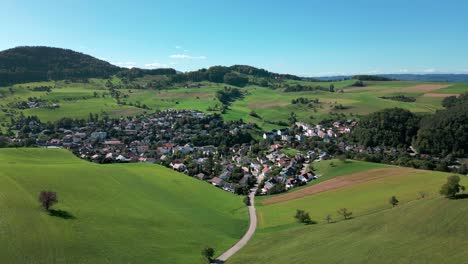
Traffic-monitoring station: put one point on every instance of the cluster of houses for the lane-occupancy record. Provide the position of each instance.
(327, 134)
(189, 142)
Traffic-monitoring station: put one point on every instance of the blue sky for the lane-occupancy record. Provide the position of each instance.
(308, 38)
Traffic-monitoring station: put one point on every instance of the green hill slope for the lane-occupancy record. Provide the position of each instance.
(123, 213)
(425, 231)
(419, 230)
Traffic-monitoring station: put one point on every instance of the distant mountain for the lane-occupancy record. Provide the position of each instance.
(26, 64)
(428, 77)
(407, 77)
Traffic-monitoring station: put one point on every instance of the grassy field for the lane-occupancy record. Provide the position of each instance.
(419, 230)
(431, 230)
(122, 213)
(272, 105)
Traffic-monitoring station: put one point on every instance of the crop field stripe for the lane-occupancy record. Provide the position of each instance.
(338, 183)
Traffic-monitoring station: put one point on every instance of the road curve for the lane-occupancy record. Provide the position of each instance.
(247, 236)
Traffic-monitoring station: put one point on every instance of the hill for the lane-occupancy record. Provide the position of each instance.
(121, 213)
(27, 64)
(377, 232)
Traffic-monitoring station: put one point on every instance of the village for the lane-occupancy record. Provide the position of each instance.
(199, 145)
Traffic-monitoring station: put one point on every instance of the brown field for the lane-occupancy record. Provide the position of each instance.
(425, 87)
(266, 105)
(338, 183)
(357, 88)
(439, 95)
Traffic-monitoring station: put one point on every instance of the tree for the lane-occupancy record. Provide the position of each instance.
(394, 201)
(303, 217)
(328, 218)
(345, 213)
(452, 187)
(247, 200)
(208, 253)
(47, 199)
(292, 118)
(422, 194)
(332, 88)
(235, 79)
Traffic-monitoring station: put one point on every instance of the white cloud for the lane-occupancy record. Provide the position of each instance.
(429, 70)
(178, 47)
(465, 70)
(128, 64)
(156, 65)
(184, 56)
(403, 71)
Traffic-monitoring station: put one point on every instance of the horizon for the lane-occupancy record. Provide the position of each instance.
(306, 39)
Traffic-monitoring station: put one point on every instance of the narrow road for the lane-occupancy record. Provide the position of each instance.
(247, 236)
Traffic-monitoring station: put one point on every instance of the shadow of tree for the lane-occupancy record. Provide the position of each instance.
(461, 196)
(61, 214)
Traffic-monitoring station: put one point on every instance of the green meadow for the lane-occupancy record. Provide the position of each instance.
(423, 230)
(119, 213)
(430, 230)
(77, 100)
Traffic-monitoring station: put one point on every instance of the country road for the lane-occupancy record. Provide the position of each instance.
(247, 236)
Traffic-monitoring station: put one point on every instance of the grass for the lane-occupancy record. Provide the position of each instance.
(272, 105)
(419, 230)
(431, 230)
(119, 213)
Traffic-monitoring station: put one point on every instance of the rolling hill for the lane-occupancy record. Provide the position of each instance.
(377, 233)
(28, 64)
(121, 213)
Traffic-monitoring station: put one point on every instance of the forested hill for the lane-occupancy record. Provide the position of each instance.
(26, 64)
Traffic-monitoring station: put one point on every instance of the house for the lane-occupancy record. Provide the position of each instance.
(282, 132)
(200, 176)
(122, 158)
(216, 181)
(98, 135)
(178, 165)
(113, 143)
(268, 186)
(245, 180)
(268, 135)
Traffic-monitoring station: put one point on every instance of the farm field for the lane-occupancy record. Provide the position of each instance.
(416, 225)
(119, 213)
(77, 100)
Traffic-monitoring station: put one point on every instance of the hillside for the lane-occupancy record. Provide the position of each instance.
(376, 233)
(27, 64)
(128, 213)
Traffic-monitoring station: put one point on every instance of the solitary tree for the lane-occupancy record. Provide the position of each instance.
(345, 213)
(208, 253)
(303, 217)
(452, 186)
(422, 194)
(394, 201)
(47, 199)
(328, 218)
(247, 200)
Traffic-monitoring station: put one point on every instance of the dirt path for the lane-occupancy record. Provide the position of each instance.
(339, 182)
(247, 236)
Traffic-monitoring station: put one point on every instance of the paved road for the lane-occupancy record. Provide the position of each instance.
(247, 236)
